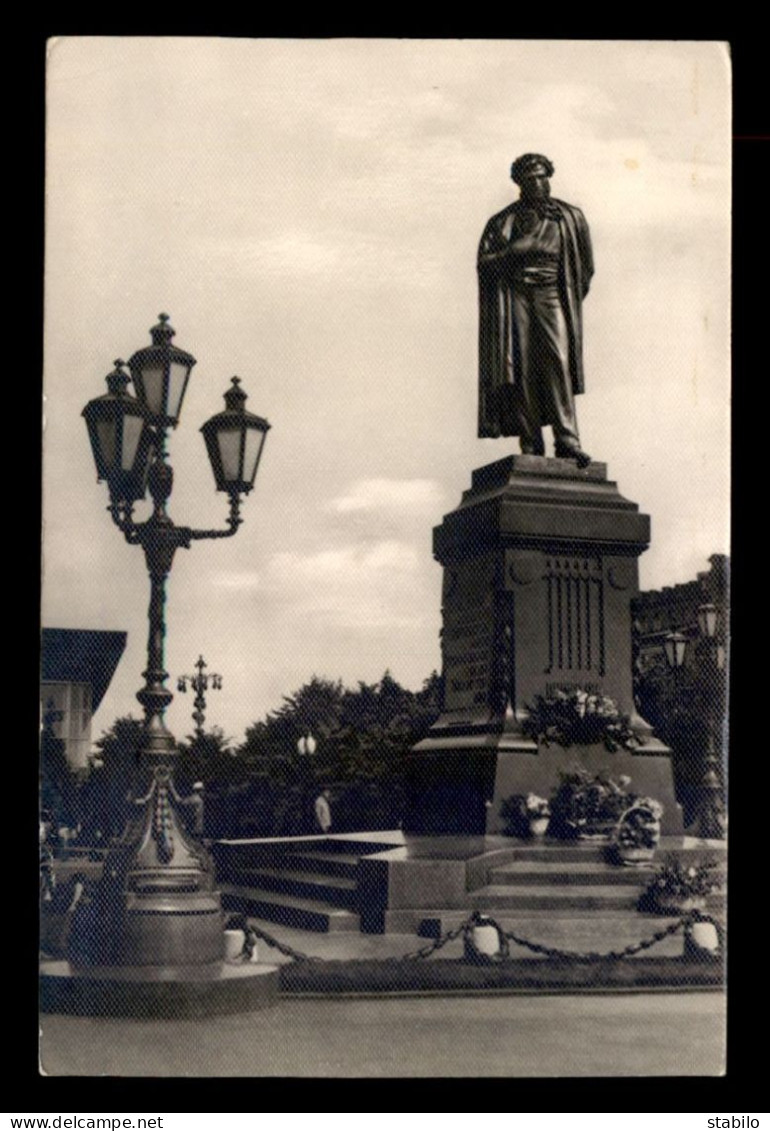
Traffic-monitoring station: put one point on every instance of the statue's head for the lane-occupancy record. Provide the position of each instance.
(531, 173)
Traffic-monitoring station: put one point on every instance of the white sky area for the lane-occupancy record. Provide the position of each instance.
(308, 213)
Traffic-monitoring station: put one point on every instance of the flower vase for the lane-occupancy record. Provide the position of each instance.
(538, 826)
(234, 941)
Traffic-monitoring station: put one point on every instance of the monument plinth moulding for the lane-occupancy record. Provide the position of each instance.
(540, 565)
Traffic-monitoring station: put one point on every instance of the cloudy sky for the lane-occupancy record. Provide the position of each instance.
(308, 213)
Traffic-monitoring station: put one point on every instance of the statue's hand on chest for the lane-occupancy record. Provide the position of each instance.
(524, 223)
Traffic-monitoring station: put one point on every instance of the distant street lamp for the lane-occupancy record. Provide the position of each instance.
(306, 744)
(707, 621)
(157, 896)
(200, 684)
(675, 646)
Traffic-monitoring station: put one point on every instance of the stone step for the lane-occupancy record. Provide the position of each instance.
(560, 851)
(337, 890)
(578, 896)
(569, 873)
(328, 863)
(292, 911)
(568, 897)
(350, 846)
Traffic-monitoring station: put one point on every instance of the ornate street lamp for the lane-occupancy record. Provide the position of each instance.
(121, 439)
(235, 439)
(712, 823)
(200, 684)
(675, 646)
(160, 373)
(712, 819)
(157, 904)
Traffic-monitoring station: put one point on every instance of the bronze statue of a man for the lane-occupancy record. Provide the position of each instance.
(535, 267)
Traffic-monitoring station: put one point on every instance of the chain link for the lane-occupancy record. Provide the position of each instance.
(284, 948)
(431, 948)
(594, 955)
(508, 936)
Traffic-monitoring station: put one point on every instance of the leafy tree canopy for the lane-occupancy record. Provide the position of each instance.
(359, 732)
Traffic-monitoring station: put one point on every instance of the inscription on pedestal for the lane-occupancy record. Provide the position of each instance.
(468, 635)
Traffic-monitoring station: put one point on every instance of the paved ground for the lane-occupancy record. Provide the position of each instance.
(597, 1035)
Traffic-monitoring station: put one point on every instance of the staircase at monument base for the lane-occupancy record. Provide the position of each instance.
(308, 884)
(568, 896)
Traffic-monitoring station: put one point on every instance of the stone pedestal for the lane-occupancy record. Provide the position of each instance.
(540, 566)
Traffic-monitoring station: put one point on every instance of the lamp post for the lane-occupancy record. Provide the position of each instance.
(200, 684)
(675, 651)
(712, 820)
(157, 903)
(306, 748)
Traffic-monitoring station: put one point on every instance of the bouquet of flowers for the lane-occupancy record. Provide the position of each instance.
(536, 807)
(587, 804)
(520, 810)
(680, 885)
(580, 717)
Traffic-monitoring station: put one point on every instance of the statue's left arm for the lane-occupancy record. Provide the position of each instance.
(585, 250)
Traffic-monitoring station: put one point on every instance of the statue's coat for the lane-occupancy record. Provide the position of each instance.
(498, 351)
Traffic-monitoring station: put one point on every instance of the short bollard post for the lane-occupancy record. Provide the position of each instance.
(703, 938)
(484, 940)
(234, 940)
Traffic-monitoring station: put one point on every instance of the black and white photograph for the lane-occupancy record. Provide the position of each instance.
(385, 611)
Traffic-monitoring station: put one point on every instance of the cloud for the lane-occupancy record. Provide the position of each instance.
(241, 580)
(292, 253)
(335, 565)
(337, 259)
(359, 585)
(401, 495)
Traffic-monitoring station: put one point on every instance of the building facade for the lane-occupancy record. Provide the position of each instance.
(77, 666)
(674, 608)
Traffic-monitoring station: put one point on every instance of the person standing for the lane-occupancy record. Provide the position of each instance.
(197, 808)
(323, 812)
(535, 265)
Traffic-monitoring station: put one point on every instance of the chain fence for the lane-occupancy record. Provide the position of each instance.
(465, 930)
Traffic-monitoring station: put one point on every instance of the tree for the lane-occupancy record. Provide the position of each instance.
(210, 758)
(316, 707)
(363, 735)
(115, 771)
